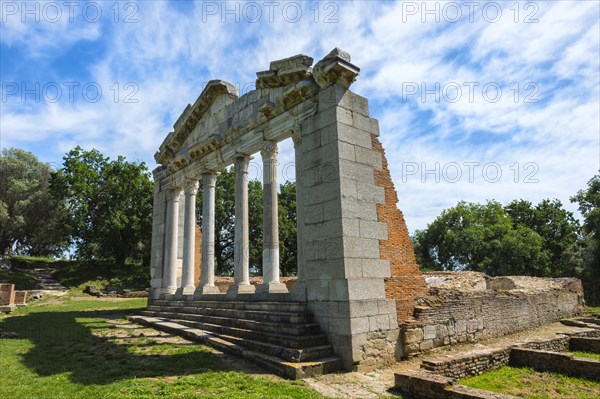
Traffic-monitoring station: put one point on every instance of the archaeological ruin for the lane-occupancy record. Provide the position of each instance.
(359, 300)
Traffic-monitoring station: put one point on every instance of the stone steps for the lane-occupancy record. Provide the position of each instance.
(264, 306)
(223, 319)
(293, 363)
(45, 281)
(290, 341)
(257, 315)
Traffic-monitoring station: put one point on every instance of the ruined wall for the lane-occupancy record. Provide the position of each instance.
(448, 316)
(406, 282)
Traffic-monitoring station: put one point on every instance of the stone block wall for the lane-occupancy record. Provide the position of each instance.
(585, 344)
(447, 317)
(555, 362)
(341, 270)
(471, 363)
(423, 385)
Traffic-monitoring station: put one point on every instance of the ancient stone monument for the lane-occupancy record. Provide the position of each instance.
(358, 280)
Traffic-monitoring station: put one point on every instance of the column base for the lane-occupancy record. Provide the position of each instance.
(207, 289)
(168, 291)
(183, 291)
(237, 289)
(272, 288)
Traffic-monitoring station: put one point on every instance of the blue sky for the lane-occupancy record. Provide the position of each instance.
(476, 100)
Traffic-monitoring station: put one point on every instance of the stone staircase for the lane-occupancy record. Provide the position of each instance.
(45, 281)
(280, 336)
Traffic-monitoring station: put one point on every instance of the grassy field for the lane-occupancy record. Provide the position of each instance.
(529, 384)
(82, 347)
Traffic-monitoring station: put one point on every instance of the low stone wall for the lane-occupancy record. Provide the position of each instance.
(585, 344)
(469, 310)
(480, 361)
(553, 345)
(555, 362)
(471, 363)
(424, 385)
(7, 294)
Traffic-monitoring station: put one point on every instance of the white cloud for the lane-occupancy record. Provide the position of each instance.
(170, 53)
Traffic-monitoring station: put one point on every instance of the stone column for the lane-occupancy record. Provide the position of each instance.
(241, 255)
(271, 282)
(189, 235)
(170, 260)
(207, 265)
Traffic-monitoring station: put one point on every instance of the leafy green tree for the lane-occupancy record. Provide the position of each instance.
(482, 238)
(288, 245)
(32, 219)
(110, 204)
(589, 206)
(558, 228)
(225, 224)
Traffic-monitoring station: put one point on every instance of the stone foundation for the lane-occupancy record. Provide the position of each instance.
(555, 362)
(424, 385)
(585, 345)
(462, 307)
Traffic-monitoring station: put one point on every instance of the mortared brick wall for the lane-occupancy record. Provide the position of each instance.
(406, 282)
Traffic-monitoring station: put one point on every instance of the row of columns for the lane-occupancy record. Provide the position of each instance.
(241, 285)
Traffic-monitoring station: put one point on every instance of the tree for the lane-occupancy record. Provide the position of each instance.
(589, 206)
(482, 238)
(110, 204)
(225, 224)
(32, 220)
(558, 228)
(288, 244)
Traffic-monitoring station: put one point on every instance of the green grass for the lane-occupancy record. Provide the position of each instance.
(593, 309)
(22, 279)
(529, 384)
(74, 347)
(587, 355)
(78, 273)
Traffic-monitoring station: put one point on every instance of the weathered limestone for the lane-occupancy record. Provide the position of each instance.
(187, 279)
(463, 308)
(207, 276)
(170, 283)
(241, 283)
(271, 283)
(341, 271)
(357, 272)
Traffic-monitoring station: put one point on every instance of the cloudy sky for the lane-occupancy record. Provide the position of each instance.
(476, 100)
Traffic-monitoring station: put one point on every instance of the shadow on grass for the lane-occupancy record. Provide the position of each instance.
(66, 342)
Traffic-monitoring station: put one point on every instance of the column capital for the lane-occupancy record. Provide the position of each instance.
(241, 163)
(174, 193)
(209, 178)
(191, 186)
(269, 150)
